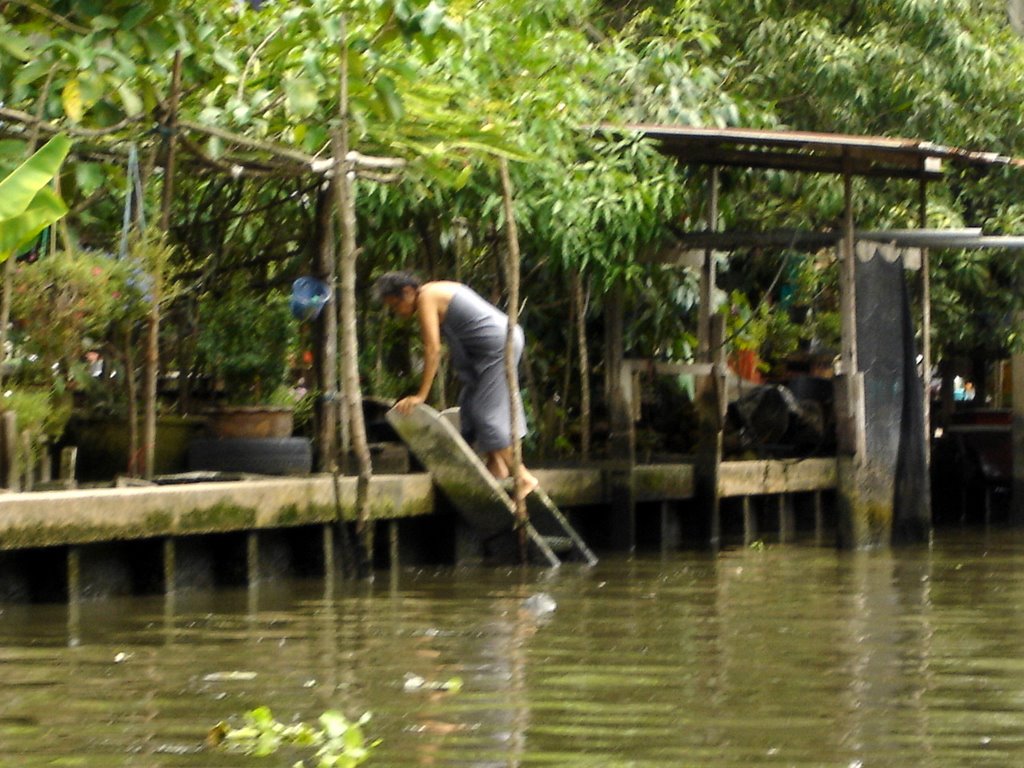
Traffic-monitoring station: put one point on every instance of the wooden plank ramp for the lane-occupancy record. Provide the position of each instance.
(477, 496)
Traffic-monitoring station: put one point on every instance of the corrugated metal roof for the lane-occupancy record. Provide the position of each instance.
(807, 151)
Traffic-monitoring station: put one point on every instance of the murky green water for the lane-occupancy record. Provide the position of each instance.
(791, 656)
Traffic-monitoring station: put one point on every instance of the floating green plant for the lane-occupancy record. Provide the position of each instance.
(339, 742)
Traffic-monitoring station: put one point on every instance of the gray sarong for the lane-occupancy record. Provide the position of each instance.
(475, 331)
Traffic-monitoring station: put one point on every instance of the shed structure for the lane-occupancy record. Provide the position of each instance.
(883, 488)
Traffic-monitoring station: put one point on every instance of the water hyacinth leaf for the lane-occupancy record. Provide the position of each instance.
(335, 723)
(261, 717)
(353, 739)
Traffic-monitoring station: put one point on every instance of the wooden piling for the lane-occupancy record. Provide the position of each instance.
(622, 436)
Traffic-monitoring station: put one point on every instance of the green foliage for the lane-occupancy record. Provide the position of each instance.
(41, 411)
(338, 742)
(67, 303)
(451, 86)
(245, 341)
(27, 204)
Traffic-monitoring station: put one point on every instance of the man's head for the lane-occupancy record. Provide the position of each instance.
(398, 291)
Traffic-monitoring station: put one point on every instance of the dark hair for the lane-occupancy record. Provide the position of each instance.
(394, 283)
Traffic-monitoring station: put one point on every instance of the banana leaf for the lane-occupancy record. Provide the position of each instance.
(27, 204)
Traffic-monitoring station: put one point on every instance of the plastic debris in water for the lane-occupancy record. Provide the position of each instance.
(217, 677)
(539, 604)
(416, 683)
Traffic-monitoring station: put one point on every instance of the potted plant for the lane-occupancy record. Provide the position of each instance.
(245, 341)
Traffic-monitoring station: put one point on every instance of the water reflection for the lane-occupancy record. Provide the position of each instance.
(788, 656)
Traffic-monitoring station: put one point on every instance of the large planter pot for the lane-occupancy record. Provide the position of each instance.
(102, 443)
(250, 421)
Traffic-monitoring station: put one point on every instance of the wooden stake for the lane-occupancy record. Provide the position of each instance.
(511, 375)
(345, 200)
(580, 310)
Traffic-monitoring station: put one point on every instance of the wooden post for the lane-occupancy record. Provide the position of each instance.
(787, 519)
(749, 521)
(712, 400)
(511, 372)
(252, 558)
(345, 201)
(926, 357)
(707, 275)
(28, 470)
(153, 320)
(74, 587)
(819, 519)
(580, 317)
(170, 570)
(327, 336)
(68, 466)
(12, 475)
(853, 528)
(394, 562)
(622, 436)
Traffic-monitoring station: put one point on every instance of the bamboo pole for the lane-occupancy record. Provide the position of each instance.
(345, 201)
(511, 375)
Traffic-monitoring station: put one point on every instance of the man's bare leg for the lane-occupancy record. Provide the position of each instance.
(499, 463)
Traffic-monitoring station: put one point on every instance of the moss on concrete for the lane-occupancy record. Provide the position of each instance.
(219, 517)
(151, 525)
(293, 515)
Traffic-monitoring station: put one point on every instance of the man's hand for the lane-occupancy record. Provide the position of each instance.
(406, 404)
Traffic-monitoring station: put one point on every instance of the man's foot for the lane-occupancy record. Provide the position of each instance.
(526, 486)
(521, 490)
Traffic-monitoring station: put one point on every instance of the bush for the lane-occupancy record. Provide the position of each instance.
(245, 341)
